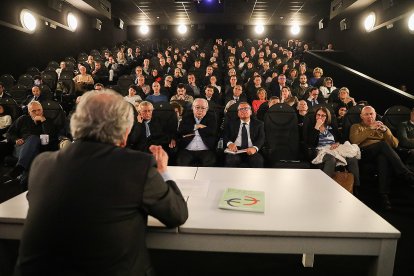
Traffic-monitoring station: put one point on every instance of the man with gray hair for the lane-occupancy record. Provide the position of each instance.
(25, 134)
(88, 202)
(198, 130)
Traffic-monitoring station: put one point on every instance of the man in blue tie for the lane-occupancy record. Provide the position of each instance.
(244, 138)
(150, 130)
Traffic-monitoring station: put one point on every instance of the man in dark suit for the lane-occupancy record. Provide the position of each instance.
(36, 96)
(149, 131)
(25, 134)
(3, 94)
(247, 134)
(199, 134)
(88, 203)
(237, 95)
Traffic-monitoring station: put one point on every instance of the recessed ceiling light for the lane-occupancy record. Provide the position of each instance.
(369, 22)
(28, 20)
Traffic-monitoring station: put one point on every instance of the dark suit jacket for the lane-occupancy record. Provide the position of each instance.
(242, 98)
(30, 98)
(139, 141)
(257, 134)
(208, 134)
(89, 204)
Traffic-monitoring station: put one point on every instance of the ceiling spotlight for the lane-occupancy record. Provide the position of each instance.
(182, 29)
(72, 21)
(259, 29)
(369, 22)
(411, 23)
(28, 20)
(295, 29)
(144, 29)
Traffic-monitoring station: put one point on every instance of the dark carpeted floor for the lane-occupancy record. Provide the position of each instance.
(200, 263)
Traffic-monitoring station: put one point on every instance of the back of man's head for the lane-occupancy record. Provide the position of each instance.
(102, 116)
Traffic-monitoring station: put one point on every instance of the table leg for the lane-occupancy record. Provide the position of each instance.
(384, 263)
(307, 259)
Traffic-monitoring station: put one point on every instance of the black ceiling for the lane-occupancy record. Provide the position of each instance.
(244, 12)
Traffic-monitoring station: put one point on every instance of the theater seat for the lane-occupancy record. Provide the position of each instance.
(33, 71)
(12, 107)
(8, 81)
(282, 137)
(19, 93)
(395, 115)
(26, 80)
(53, 110)
(50, 78)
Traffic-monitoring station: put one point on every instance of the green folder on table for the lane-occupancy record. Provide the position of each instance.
(243, 200)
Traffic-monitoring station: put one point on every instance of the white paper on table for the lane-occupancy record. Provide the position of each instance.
(193, 188)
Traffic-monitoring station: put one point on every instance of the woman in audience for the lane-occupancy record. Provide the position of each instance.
(262, 95)
(327, 88)
(286, 96)
(5, 122)
(132, 96)
(344, 99)
(316, 80)
(322, 134)
(120, 58)
(83, 81)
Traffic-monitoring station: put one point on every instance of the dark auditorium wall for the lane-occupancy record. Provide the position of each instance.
(19, 50)
(278, 34)
(385, 54)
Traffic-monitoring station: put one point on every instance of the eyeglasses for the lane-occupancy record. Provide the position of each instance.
(244, 108)
(320, 115)
(200, 108)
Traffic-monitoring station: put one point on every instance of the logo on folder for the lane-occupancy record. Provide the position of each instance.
(242, 200)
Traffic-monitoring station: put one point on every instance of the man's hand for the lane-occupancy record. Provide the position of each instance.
(197, 126)
(172, 144)
(232, 147)
(161, 157)
(251, 151)
(139, 118)
(39, 119)
(19, 142)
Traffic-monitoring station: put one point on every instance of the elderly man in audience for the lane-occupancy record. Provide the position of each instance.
(244, 138)
(198, 132)
(149, 131)
(89, 202)
(377, 142)
(25, 134)
(62, 66)
(405, 134)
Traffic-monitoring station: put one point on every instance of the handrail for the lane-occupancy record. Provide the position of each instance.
(361, 75)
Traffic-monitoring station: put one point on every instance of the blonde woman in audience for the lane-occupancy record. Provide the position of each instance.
(344, 99)
(316, 80)
(120, 58)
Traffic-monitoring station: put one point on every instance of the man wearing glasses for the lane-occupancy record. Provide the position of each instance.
(244, 138)
(198, 131)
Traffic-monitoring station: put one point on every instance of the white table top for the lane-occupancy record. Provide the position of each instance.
(15, 209)
(297, 203)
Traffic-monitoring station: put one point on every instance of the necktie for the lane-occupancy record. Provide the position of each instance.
(244, 142)
(147, 129)
(313, 102)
